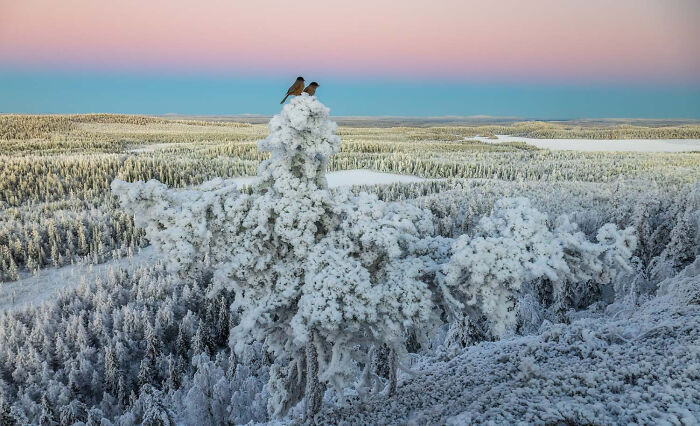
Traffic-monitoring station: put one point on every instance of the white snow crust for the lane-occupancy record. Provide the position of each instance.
(351, 177)
(592, 145)
(35, 289)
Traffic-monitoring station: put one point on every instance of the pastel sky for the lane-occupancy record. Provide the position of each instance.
(445, 52)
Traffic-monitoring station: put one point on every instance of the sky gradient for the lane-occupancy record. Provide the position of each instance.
(592, 58)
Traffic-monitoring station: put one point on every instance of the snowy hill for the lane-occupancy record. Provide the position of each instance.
(628, 366)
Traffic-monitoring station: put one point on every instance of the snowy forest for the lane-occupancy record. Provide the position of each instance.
(510, 285)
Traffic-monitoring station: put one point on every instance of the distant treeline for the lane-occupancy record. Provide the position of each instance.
(23, 127)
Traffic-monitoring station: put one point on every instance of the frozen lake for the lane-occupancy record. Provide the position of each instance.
(591, 145)
(353, 177)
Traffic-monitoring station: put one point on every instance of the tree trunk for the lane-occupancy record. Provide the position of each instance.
(314, 389)
(392, 371)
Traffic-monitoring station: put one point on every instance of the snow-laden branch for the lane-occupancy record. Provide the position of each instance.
(514, 246)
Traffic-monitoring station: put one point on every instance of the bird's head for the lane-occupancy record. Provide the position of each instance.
(300, 78)
(313, 83)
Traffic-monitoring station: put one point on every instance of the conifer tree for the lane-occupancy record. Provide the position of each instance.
(122, 393)
(201, 342)
(6, 416)
(174, 374)
(315, 274)
(222, 322)
(146, 373)
(182, 344)
(47, 417)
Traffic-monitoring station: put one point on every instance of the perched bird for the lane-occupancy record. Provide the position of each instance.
(311, 88)
(296, 88)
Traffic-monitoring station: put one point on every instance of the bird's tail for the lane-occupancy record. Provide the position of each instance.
(285, 98)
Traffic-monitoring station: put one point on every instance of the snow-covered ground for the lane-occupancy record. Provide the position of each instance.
(157, 146)
(630, 366)
(591, 145)
(366, 177)
(353, 177)
(33, 289)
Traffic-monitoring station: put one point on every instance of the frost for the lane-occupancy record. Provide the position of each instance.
(514, 246)
(324, 278)
(640, 367)
(575, 304)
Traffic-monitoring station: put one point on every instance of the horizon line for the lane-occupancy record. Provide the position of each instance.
(477, 117)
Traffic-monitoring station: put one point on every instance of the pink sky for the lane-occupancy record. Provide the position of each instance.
(534, 40)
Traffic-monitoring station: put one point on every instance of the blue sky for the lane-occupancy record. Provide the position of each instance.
(81, 92)
(532, 59)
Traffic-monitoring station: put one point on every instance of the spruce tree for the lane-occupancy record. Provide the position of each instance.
(122, 393)
(182, 345)
(222, 322)
(6, 416)
(47, 416)
(232, 365)
(111, 377)
(146, 372)
(202, 340)
(174, 374)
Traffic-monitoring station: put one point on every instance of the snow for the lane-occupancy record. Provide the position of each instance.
(316, 273)
(323, 295)
(156, 146)
(636, 366)
(34, 289)
(352, 177)
(367, 177)
(592, 145)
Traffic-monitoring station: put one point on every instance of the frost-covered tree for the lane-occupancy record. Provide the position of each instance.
(311, 274)
(6, 415)
(155, 411)
(207, 399)
(323, 277)
(73, 412)
(684, 239)
(515, 246)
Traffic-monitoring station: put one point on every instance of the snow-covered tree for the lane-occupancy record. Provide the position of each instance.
(73, 412)
(322, 277)
(207, 399)
(684, 239)
(514, 246)
(155, 411)
(311, 274)
(6, 415)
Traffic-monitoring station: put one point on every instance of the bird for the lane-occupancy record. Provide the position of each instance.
(311, 88)
(295, 89)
